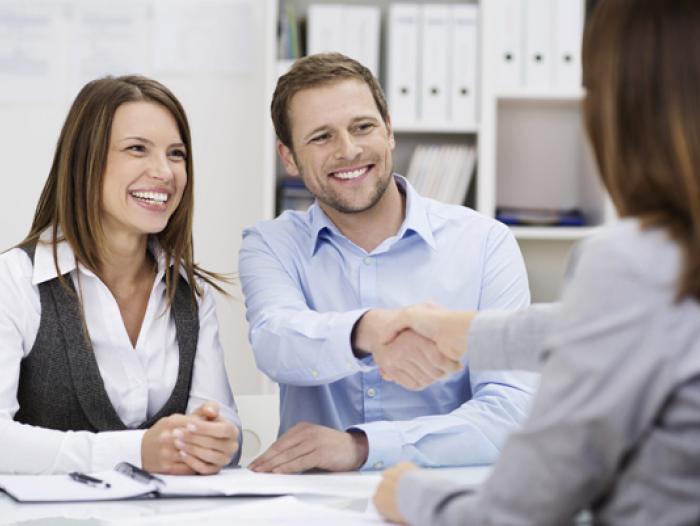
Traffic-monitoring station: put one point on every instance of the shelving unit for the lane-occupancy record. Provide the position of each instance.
(532, 152)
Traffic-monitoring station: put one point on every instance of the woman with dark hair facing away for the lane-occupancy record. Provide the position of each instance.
(615, 427)
(109, 346)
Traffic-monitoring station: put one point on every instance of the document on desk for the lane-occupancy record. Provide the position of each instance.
(230, 482)
(280, 511)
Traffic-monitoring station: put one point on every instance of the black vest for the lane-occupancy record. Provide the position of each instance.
(60, 386)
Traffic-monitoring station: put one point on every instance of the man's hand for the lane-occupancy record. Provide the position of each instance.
(448, 329)
(413, 361)
(308, 446)
(386, 496)
(208, 442)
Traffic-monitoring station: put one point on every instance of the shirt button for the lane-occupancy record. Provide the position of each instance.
(367, 260)
(371, 392)
(378, 465)
(314, 373)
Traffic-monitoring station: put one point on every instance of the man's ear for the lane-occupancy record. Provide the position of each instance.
(287, 157)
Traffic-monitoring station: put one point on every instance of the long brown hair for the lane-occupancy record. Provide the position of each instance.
(641, 68)
(71, 200)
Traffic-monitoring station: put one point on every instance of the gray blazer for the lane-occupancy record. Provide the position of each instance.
(615, 426)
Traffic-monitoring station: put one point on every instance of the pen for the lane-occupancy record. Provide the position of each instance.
(137, 473)
(88, 480)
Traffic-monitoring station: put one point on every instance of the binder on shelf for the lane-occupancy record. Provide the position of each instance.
(349, 29)
(568, 29)
(539, 46)
(361, 34)
(463, 64)
(509, 59)
(402, 63)
(540, 216)
(433, 106)
(324, 28)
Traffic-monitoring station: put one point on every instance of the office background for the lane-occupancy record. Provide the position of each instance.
(520, 144)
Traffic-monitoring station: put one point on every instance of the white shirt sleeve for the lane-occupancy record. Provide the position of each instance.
(209, 379)
(31, 449)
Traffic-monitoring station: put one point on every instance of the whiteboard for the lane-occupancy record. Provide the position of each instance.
(226, 98)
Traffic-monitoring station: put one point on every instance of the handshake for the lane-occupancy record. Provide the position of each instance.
(416, 345)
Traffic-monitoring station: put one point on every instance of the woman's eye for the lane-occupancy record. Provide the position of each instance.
(178, 154)
(139, 148)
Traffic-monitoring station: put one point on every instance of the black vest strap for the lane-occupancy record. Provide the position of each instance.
(60, 386)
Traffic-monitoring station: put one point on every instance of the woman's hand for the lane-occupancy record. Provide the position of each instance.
(202, 442)
(448, 329)
(158, 451)
(207, 443)
(385, 498)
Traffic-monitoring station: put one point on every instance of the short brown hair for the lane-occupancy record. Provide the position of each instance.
(318, 70)
(72, 196)
(641, 63)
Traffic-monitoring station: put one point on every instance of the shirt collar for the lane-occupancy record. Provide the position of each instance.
(416, 219)
(45, 269)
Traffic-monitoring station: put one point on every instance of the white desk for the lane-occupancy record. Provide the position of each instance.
(209, 510)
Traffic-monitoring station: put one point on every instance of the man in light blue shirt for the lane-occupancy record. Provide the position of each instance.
(318, 285)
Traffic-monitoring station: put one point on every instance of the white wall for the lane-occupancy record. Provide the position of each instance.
(232, 140)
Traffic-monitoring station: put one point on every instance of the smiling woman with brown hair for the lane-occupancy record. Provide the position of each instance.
(616, 423)
(109, 346)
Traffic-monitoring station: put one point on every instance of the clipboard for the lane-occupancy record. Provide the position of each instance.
(131, 483)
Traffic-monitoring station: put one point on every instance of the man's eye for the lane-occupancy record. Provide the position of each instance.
(320, 138)
(365, 127)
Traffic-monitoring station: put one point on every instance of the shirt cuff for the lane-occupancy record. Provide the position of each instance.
(385, 444)
(333, 362)
(485, 342)
(112, 447)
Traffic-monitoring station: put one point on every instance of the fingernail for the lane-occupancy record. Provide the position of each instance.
(177, 433)
(191, 427)
(183, 453)
(179, 444)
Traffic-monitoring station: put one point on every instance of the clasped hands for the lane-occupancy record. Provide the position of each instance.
(416, 345)
(199, 443)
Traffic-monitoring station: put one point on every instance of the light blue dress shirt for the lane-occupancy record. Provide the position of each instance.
(306, 285)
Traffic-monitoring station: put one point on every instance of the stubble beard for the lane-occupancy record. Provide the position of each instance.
(336, 202)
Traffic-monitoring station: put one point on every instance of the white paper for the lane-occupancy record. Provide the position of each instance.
(203, 36)
(280, 511)
(54, 488)
(108, 39)
(246, 482)
(33, 50)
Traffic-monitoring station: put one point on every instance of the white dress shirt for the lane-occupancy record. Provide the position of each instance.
(138, 380)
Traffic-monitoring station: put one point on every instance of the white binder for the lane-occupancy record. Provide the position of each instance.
(463, 64)
(539, 45)
(433, 106)
(360, 34)
(402, 63)
(348, 29)
(568, 23)
(324, 28)
(508, 16)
